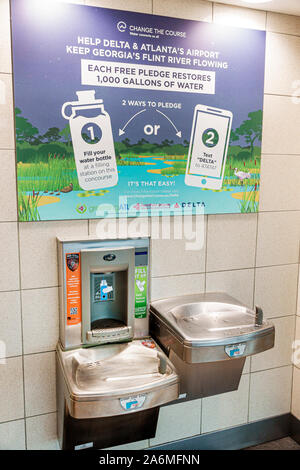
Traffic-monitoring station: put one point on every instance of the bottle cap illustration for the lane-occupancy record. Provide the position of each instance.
(87, 97)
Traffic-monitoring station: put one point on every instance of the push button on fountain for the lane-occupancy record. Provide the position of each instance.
(203, 181)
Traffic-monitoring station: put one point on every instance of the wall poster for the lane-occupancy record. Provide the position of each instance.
(123, 114)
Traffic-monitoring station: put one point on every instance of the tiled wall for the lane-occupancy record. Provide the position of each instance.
(253, 257)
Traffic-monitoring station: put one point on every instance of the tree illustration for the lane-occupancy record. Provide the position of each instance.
(143, 141)
(167, 142)
(66, 134)
(234, 137)
(25, 132)
(126, 142)
(251, 129)
(52, 134)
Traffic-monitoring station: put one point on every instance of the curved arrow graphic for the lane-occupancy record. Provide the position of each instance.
(178, 133)
(122, 131)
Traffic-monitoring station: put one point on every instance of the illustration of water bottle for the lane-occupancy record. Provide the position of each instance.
(92, 140)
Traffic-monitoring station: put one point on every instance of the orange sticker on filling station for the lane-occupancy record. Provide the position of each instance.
(73, 288)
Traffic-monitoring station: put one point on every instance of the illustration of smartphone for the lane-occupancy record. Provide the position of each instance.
(208, 147)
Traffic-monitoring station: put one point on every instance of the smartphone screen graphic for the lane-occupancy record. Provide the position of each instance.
(208, 147)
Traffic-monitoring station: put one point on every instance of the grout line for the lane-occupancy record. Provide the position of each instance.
(279, 95)
(39, 352)
(27, 417)
(40, 414)
(263, 154)
(281, 33)
(270, 368)
(28, 288)
(225, 270)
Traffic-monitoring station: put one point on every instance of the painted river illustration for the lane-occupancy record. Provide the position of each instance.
(48, 185)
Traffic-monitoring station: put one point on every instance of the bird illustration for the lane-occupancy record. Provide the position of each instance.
(67, 189)
(242, 175)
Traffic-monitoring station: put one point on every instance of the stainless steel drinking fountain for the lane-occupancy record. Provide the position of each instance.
(208, 337)
(110, 383)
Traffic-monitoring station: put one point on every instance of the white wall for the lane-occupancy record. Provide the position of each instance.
(252, 256)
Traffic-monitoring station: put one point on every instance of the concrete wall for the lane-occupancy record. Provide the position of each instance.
(251, 256)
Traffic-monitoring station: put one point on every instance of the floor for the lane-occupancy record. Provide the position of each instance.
(286, 443)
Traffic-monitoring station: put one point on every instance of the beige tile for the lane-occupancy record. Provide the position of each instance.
(5, 48)
(270, 393)
(276, 290)
(138, 445)
(12, 435)
(240, 17)
(120, 228)
(41, 432)
(6, 113)
(142, 6)
(190, 9)
(296, 345)
(231, 241)
(281, 123)
(281, 354)
(177, 422)
(8, 210)
(297, 335)
(237, 283)
(227, 409)
(10, 323)
(39, 250)
(40, 319)
(279, 23)
(279, 171)
(11, 390)
(180, 249)
(278, 238)
(171, 286)
(298, 296)
(246, 369)
(40, 380)
(282, 53)
(296, 393)
(9, 255)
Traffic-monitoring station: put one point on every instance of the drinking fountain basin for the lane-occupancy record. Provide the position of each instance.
(111, 394)
(207, 337)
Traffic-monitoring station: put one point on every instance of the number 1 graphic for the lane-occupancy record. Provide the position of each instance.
(91, 129)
